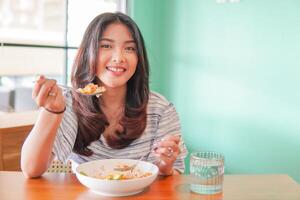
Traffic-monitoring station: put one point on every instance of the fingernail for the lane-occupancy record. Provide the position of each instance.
(162, 162)
(38, 76)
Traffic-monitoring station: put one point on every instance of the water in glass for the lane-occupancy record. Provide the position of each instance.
(207, 170)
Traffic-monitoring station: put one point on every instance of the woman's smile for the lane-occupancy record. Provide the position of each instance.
(116, 70)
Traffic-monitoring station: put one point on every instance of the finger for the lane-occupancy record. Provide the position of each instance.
(168, 160)
(167, 144)
(57, 95)
(55, 101)
(167, 151)
(164, 150)
(53, 92)
(175, 138)
(164, 160)
(40, 80)
(59, 92)
(43, 94)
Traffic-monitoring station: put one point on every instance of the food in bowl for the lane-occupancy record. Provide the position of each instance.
(101, 178)
(111, 174)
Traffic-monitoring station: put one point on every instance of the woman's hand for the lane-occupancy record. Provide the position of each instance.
(47, 94)
(167, 151)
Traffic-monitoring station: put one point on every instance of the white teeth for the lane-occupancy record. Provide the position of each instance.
(116, 69)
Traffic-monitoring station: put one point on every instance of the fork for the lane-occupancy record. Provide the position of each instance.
(97, 94)
(131, 168)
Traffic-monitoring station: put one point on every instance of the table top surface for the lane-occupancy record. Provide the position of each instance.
(13, 185)
(18, 119)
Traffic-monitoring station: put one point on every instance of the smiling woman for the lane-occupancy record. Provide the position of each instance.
(126, 121)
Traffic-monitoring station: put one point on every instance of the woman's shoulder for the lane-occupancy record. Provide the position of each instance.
(156, 98)
(157, 103)
(69, 113)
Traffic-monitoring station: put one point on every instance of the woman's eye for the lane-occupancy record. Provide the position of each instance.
(130, 49)
(105, 46)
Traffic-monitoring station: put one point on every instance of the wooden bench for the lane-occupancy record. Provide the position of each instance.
(14, 128)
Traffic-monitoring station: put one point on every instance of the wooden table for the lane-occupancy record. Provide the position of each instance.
(66, 186)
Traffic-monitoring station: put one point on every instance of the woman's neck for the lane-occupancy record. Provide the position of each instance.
(113, 98)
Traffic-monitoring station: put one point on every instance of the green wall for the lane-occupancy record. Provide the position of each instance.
(233, 73)
(155, 24)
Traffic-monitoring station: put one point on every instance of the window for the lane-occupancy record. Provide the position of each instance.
(41, 37)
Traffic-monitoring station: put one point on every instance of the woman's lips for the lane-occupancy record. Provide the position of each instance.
(116, 70)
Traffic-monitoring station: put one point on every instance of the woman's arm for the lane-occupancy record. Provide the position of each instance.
(36, 151)
(36, 154)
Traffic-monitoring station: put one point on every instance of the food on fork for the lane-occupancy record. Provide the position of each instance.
(91, 89)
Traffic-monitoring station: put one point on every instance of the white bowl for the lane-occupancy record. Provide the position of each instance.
(115, 187)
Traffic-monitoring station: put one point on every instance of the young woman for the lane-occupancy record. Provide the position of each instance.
(126, 121)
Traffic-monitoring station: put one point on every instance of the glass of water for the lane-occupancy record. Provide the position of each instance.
(207, 171)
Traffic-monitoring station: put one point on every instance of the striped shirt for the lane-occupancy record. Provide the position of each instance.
(162, 120)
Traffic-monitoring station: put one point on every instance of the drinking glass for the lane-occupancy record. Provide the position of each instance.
(207, 171)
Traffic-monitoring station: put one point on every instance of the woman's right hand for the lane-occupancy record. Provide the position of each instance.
(46, 93)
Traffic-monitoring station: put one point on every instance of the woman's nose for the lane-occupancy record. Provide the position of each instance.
(118, 57)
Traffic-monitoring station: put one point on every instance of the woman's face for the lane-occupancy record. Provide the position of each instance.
(117, 57)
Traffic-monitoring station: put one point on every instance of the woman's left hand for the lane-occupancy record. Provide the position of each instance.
(167, 151)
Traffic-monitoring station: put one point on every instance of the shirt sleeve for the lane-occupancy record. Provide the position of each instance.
(169, 124)
(66, 134)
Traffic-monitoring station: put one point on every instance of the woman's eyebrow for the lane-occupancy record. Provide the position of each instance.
(106, 39)
(130, 41)
(111, 40)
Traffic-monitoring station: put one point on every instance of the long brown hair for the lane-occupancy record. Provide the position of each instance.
(91, 119)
